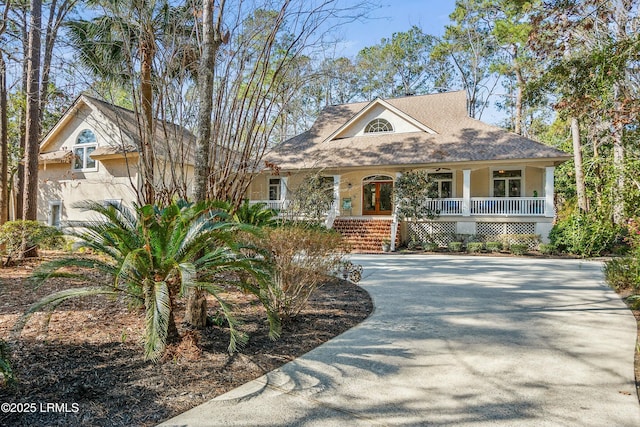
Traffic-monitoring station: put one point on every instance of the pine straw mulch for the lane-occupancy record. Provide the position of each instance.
(90, 358)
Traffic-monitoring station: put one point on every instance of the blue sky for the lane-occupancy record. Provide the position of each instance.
(395, 16)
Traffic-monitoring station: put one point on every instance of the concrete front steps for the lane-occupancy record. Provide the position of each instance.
(365, 235)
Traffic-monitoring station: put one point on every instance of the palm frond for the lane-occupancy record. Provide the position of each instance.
(52, 301)
(237, 338)
(188, 275)
(133, 270)
(48, 269)
(158, 311)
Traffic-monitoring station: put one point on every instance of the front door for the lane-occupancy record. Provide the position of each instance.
(377, 197)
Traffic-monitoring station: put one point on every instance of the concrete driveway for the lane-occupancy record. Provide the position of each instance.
(460, 341)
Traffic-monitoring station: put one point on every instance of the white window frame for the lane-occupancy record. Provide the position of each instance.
(84, 157)
(507, 168)
(374, 126)
(279, 188)
(439, 181)
(50, 219)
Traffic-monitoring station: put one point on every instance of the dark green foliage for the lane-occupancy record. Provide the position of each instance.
(518, 249)
(474, 247)
(585, 235)
(430, 246)
(255, 214)
(455, 246)
(154, 255)
(411, 190)
(547, 248)
(494, 246)
(623, 273)
(35, 234)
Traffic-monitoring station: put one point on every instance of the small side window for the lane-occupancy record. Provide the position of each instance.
(55, 213)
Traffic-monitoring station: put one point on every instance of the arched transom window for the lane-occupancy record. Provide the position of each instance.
(85, 145)
(378, 125)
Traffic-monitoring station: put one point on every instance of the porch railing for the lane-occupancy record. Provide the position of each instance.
(445, 206)
(277, 205)
(513, 206)
(525, 206)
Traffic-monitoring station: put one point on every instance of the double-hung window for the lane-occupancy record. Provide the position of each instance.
(85, 145)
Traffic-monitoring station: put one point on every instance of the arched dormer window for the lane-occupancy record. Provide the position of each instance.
(378, 125)
(85, 145)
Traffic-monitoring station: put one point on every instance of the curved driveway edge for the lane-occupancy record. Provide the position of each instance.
(459, 341)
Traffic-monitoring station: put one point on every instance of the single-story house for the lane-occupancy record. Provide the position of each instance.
(490, 181)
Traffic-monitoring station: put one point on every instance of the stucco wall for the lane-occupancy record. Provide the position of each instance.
(58, 182)
(480, 183)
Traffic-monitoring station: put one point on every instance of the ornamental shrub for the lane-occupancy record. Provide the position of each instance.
(35, 234)
(301, 259)
(430, 246)
(494, 246)
(519, 249)
(455, 246)
(546, 248)
(474, 247)
(624, 272)
(586, 235)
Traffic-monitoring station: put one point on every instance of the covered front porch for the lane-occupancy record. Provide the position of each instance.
(520, 191)
(488, 200)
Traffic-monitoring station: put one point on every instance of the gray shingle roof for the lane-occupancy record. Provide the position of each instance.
(458, 138)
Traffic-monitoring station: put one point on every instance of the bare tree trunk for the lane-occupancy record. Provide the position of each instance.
(4, 144)
(577, 158)
(56, 16)
(148, 50)
(4, 137)
(30, 198)
(19, 179)
(521, 83)
(196, 309)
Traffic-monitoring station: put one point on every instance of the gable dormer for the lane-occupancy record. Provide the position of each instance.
(378, 117)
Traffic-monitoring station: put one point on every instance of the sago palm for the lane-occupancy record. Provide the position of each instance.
(154, 255)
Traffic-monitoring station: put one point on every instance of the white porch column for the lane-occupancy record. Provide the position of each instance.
(336, 194)
(394, 219)
(283, 191)
(549, 191)
(466, 192)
